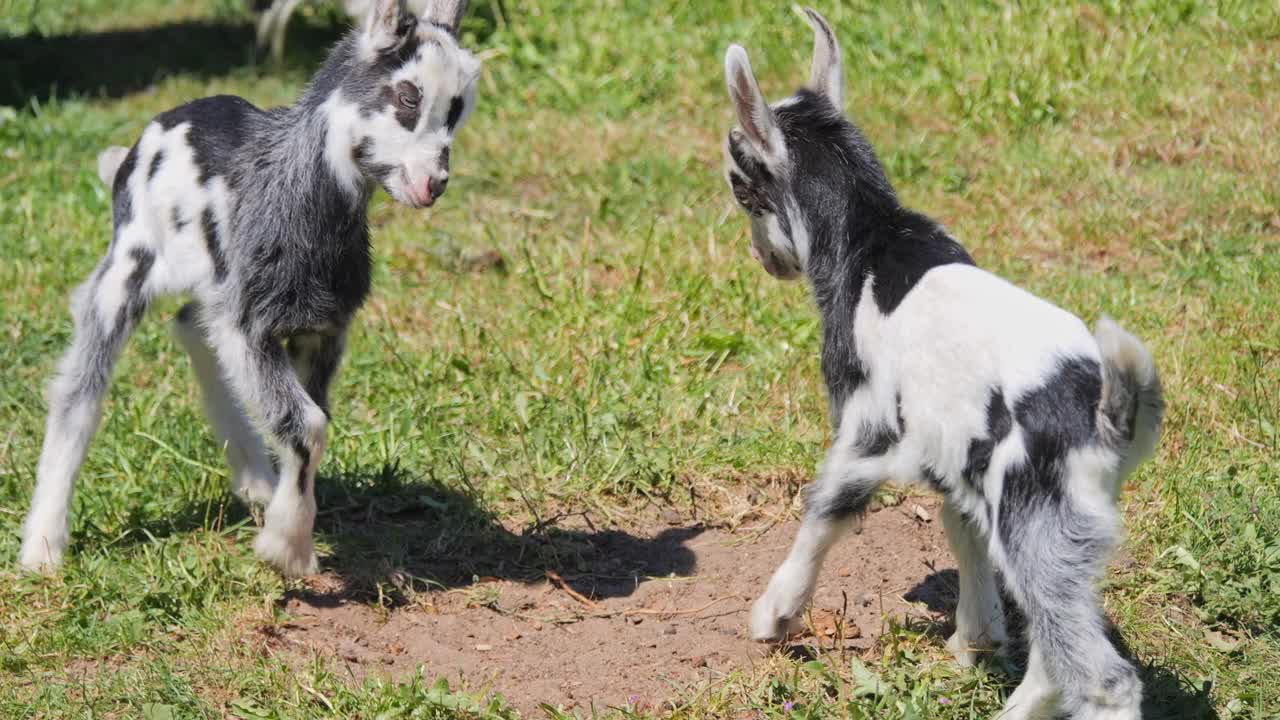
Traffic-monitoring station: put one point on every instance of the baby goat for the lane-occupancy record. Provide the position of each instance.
(261, 216)
(945, 375)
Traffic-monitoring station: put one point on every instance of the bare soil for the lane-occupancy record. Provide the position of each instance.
(629, 617)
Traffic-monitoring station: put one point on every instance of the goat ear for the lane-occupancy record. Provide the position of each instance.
(387, 25)
(754, 114)
(446, 14)
(827, 75)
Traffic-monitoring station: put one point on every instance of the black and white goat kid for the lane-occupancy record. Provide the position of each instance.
(260, 216)
(944, 375)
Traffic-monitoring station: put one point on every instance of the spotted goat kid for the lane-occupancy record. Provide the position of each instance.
(261, 217)
(947, 376)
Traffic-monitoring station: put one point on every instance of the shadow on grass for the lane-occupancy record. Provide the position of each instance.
(1166, 694)
(391, 536)
(115, 63)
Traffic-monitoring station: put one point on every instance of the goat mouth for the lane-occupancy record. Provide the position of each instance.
(779, 267)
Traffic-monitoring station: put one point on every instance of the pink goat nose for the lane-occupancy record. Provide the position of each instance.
(429, 189)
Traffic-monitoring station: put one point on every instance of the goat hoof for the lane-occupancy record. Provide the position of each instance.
(39, 558)
(293, 557)
(965, 655)
(968, 652)
(255, 488)
(768, 625)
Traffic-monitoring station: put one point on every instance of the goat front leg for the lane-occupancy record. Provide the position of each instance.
(253, 478)
(265, 381)
(840, 496)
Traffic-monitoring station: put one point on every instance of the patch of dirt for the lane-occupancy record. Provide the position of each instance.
(608, 631)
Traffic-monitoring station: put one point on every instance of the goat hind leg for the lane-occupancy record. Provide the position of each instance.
(1053, 572)
(106, 308)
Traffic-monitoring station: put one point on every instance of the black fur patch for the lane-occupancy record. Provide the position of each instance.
(999, 425)
(121, 200)
(218, 127)
(455, 114)
(850, 500)
(213, 241)
(841, 369)
(999, 421)
(179, 223)
(897, 264)
(977, 461)
(1061, 414)
(406, 99)
(1057, 417)
(156, 161)
(376, 170)
(932, 477)
(135, 303)
(305, 456)
(875, 440)
(400, 55)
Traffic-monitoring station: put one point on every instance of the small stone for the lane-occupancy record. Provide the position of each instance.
(922, 514)
(867, 599)
(672, 517)
(635, 619)
(484, 648)
(669, 630)
(844, 572)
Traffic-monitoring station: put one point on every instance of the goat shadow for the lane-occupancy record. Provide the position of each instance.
(1167, 695)
(389, 534)
(115, 63)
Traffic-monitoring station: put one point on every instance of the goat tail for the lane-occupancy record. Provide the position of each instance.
(1132, 404)
(109, 162)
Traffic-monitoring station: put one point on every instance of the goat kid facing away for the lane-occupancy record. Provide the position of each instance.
(945, 375)
(260, 216)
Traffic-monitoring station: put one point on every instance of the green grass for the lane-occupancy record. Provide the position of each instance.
(1114, 157)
